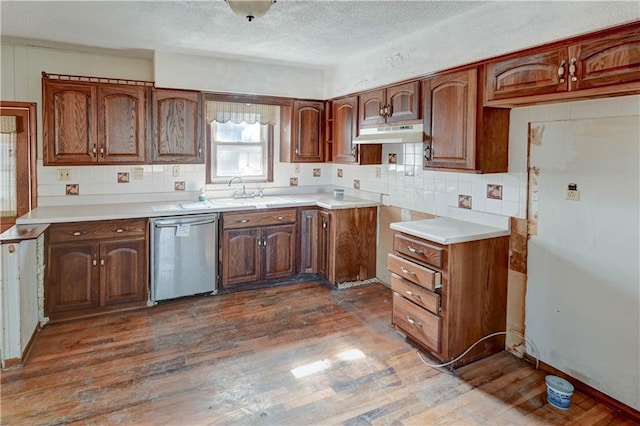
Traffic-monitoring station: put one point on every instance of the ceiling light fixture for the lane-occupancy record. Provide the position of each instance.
(250, 9)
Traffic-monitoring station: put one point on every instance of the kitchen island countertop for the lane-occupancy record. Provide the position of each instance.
(446, 230)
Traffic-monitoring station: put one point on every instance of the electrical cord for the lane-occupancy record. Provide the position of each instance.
(498, 333)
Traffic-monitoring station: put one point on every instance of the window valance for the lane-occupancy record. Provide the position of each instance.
(223, 112)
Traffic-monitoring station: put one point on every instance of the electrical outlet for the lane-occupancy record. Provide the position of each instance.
(138, 173)
(176, 171)
(378, 172)
(64, 174)
(573, 195)
(296, 169)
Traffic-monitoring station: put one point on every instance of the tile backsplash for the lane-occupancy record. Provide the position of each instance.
(402, 184)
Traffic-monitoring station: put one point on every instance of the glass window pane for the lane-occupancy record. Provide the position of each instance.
(239, 160)
(232, 132)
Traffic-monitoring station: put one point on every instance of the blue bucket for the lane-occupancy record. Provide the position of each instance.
(559, 392)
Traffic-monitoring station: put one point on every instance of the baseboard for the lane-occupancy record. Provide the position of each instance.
(605, 399)
(17, 362)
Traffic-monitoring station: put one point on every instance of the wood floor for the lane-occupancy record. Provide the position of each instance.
(231, 359)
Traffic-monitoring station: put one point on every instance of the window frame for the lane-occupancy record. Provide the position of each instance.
(250, 99)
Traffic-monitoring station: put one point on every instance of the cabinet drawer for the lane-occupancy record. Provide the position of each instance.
(425, 298)
(419, 250)
(82, 231)
(418, 323)
(250, 219)
(415, 273)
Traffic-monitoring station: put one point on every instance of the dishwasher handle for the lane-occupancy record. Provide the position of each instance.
(172, 223)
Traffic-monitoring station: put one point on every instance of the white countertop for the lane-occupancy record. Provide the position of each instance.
(81, 213)
(445, 230)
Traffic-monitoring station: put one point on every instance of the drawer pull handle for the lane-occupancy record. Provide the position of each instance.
(414, 250)
(242, 221)
(413, 322)
(279, 217)
(119, 230)
(408, 272)
(78, 233)
(410, 293)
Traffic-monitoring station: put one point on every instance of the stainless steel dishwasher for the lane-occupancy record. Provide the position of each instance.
(184, 256)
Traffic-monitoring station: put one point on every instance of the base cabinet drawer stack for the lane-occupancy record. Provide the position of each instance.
(446, 297)
(94, 267)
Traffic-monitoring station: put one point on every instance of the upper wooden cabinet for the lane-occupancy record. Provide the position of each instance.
(177, 127)
(345, 128)
(600, 66)
(460, 133)
(302, 132)
(394, 104)
(89, 123)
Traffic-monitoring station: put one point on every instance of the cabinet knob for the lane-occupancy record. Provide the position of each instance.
(572, 69)
(95, 261)
(561, 71)
(101, 262)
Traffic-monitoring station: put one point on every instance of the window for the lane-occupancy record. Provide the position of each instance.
(240, 141)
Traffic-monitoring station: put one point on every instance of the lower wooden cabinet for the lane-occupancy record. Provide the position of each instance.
(347, 244)
(95, 267)
(257, 246)
(446, 297)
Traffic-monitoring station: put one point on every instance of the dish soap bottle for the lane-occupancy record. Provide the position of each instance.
(203, 195)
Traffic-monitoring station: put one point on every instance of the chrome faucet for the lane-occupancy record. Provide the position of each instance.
(244, 191)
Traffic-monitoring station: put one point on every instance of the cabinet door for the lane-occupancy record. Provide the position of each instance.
(353, 244)
(404, 101)
(309, 241)
(73, 278)
(370, 104)
(279, 244)
(240, 257)
(177, 122)
(122, 124)
(69, 123)
(607, 60)
(308, 131)
(536, 74)
(123, 271)
(450, 120)
(324, 244)
(345, 114)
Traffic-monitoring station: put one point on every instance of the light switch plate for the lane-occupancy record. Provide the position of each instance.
(175, 171)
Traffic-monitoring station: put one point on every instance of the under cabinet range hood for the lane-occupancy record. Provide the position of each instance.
(391, 134)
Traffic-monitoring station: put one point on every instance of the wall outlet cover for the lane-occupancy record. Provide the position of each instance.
(138, 173)
(64, 174)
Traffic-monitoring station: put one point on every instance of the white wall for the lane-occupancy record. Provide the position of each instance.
(487, 31)
(237, 76)
(583, 290)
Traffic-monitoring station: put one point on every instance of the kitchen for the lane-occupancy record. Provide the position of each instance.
(424, 192)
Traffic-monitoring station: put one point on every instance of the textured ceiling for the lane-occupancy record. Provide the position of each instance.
(315, 33)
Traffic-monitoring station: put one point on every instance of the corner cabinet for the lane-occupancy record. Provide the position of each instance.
(302, 132)
(178, 127)
(256, 247)
(345, 129)
(394, 104)
(89, 123)
(95, 267)
(605, 65)
(446, 297)
(461, 134)
(347, 244)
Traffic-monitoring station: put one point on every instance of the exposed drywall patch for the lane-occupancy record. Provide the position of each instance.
(534, 177)
(517, 286)
(535, 134)
(518, 245)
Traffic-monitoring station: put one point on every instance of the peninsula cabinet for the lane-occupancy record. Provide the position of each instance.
(257, 247)
(602, 65)
(92, 123)
(446, 297)
(345, 129)
(95, 267)
(302, 132)
(347, 244)
(178, 126)
(390, 105)
(460, 133)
